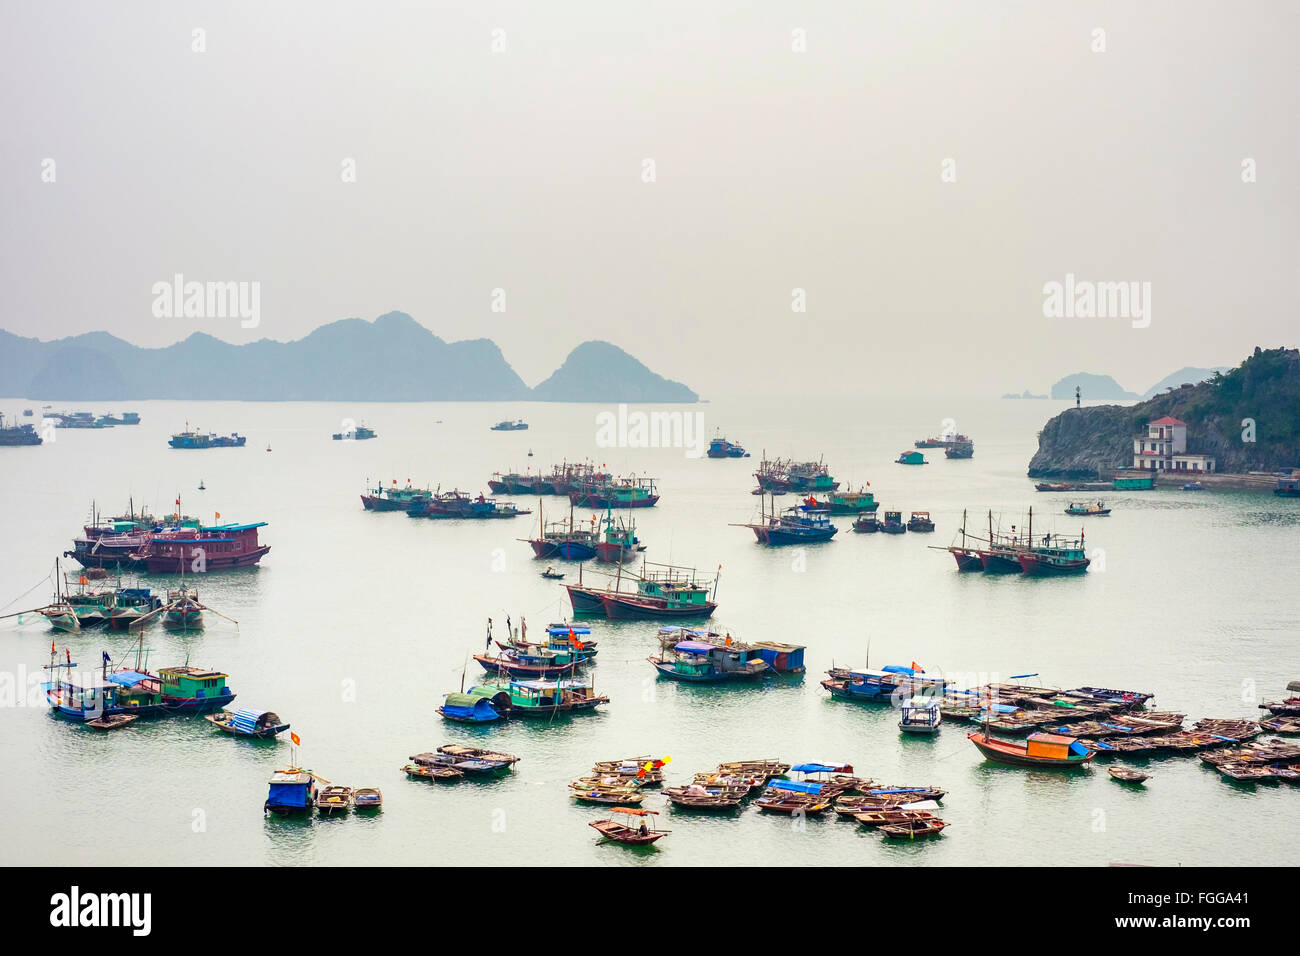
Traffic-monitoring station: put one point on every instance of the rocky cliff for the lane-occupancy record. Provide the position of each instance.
(1248, 419)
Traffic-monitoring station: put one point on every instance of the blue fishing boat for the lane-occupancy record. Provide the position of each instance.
(891, 682)
(802, 524)
(80, 698)
(290, 791)
(719, 447)
(700, 662)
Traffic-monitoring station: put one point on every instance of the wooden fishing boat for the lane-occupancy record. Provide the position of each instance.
(699, 797)
(395, 498)
(258, 724)
(465, 764)
(538, 663)
(334, 799)
(595, 790)
(1082, 509)
(1281, 725)
(783, 475)
(518, 425)
(563, 539)
(866, 524)
(1039, 750)
(920, 521)
(802, 524)
(637, 830)
(1288, 707)
(894, 681)
(893, 523)
(544, 699)
(110, 721)
(367, 798)
(706, 663)
(790, 797)
(463, 752)
(643, 771)
(765, 769)
(441, 773)
(553, 575)
(879, 818)
(618, 493)
(617, 540)
(859, 502)
(719, 447)
(911, 829)
(1125, 775)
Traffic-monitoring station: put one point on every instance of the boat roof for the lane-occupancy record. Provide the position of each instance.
(695, 647)
(235, 527)
(820, 767)
(565, 629)
(251, 714)
(129, 678)
(889, 671)
(187, 671)
(1051, 738)
(548, 684)
(290, 776)
(795, 786)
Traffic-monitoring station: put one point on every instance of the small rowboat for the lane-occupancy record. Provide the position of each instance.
(629, 831)
(552, 575)
(110, 721)
(477, 753)
(367, 798)
(259, 724)
(605, 794)
(700, 797)
(334, 798)
(432, 772)
(912, 829)
(880, 818)
(1124, 775)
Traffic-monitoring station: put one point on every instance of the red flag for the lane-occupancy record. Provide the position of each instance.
(297, 741)
(178, 502)
(53, 649)
(918, 668)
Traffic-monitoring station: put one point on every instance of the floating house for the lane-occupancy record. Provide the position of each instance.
(911, 458)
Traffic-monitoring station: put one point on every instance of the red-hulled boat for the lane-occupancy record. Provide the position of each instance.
(1038, 750)
(210, 549)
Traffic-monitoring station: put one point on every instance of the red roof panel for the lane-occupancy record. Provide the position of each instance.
(1167, 421)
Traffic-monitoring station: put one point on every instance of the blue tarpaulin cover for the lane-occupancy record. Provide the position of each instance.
(245, 721)
(695, 647)
(795, 786)
(817, 767)
(127, 678)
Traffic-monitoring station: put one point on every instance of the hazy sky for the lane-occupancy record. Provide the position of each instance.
(523, 170)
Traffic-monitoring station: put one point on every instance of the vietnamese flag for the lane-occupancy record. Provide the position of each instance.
(918, 668)
(297, 741)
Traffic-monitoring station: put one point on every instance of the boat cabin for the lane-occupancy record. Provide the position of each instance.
(782, 658)
(193, 683)
(1053, 746)
(290, 790)
(911, 458)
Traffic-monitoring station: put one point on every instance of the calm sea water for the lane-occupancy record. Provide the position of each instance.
(356, 624)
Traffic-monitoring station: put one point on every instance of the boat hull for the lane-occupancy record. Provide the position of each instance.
(999, 563)
(215, 561)
(627, 609)
(585, 599)
(968, 561)
(1039, 566)
(567, 550)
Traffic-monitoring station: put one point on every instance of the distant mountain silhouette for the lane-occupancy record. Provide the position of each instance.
(392, 359)
(600, 372)
(1184, 376)
(1092, 386)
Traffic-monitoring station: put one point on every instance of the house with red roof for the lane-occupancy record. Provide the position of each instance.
(1163, 447)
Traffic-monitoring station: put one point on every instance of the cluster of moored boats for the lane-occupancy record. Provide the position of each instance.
(1019, 552)
(170, 544)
